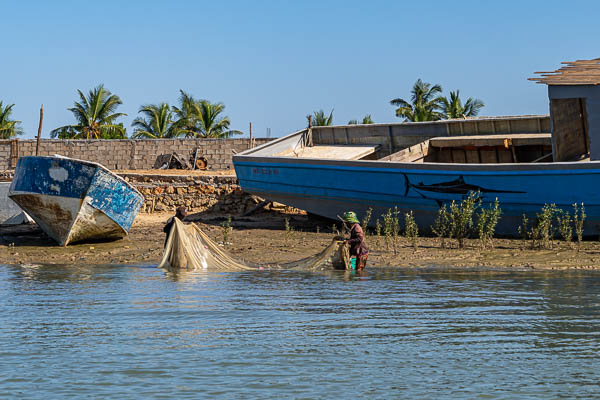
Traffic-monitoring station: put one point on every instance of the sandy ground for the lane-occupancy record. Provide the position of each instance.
(263, 238)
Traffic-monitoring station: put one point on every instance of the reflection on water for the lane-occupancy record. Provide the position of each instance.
(139, 332)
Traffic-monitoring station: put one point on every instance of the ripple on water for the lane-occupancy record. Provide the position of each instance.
(136, 332)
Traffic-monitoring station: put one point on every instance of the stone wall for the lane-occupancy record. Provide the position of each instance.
(164, 193)
(127, 153)
(219, 194)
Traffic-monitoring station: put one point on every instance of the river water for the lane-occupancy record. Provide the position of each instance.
(136, 332)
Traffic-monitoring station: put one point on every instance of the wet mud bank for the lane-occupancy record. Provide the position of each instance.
(263, 238)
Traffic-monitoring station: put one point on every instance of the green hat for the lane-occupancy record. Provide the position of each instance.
(350, 216)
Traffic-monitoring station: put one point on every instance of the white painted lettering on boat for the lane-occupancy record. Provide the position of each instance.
(58, 174)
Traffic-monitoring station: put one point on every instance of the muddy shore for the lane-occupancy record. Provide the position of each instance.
(263, 239)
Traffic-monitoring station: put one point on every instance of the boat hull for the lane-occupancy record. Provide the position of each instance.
(74, 200)
(328, 188)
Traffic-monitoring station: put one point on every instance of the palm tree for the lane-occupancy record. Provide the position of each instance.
(157, 122)
(453, 107)
(365, 121)
(8, 128)
(95, 116)
(424, 104)
(210, 124)
(321, 119)
(201, 118)
(185, 114)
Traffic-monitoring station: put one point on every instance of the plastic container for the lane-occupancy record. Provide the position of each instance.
(353, 263)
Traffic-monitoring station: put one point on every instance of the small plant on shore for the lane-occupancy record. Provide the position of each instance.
(334, 229)
(395, 228)
(318, 229)
(226, 230)
(411, 229)
(542, 232)
(579, 219)
(564, 220)
(441, 226)
(461, 217)
(388, 228)
(377, 231)
(366, 220)
(487, 219)
(524, 228)
(289, 230)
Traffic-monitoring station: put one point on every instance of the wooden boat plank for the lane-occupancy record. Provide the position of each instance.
(331, 152)
(492, 140)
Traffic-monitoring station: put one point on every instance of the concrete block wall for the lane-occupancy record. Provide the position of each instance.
(131, 153)
(4, 154)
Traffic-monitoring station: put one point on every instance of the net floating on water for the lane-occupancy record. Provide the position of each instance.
(188, 248)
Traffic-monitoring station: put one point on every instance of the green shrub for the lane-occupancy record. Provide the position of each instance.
(486, 223)
(226, 230)
(388, 227)
(391, 227)
(524, 228)
(542, 232)
(564, 220)
(395, 227)
(579, 218)
(411, 229)
(334, 229)
(442, 225)
(366, 220)
(461, 217)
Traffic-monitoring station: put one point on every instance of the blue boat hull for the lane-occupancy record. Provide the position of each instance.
(74, 200)
(329, 188)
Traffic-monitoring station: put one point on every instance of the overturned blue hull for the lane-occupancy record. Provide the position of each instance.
(74, 200)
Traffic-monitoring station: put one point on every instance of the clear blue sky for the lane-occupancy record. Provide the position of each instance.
(274, 62)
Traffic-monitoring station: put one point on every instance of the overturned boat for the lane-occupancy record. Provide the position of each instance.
(74, 200)
(523, 161)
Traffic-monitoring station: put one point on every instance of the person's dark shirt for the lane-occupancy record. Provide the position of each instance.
(167, 228)
(357, 241)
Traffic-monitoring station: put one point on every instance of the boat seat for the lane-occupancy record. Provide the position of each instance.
(331, 152)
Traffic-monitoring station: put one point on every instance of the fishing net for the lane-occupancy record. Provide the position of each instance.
(188, 248)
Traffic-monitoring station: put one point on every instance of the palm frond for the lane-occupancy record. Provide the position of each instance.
(95, 116)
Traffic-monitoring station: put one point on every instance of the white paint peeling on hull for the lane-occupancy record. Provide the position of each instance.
(59, 174)
(92, 223)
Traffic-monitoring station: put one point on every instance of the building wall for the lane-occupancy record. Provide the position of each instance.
(591, 94)
(130, 153)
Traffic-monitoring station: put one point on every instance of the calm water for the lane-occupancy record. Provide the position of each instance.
(126, 332)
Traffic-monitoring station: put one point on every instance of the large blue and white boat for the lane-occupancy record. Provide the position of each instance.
(74, 200)
(525, 162)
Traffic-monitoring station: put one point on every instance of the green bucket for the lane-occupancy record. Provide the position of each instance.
(352, 262)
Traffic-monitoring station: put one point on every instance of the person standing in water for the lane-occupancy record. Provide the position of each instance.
(358, 246)
(180, 213)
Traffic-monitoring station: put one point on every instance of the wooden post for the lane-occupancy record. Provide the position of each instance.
(37, 149)
(309, 131)
(250, 134)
